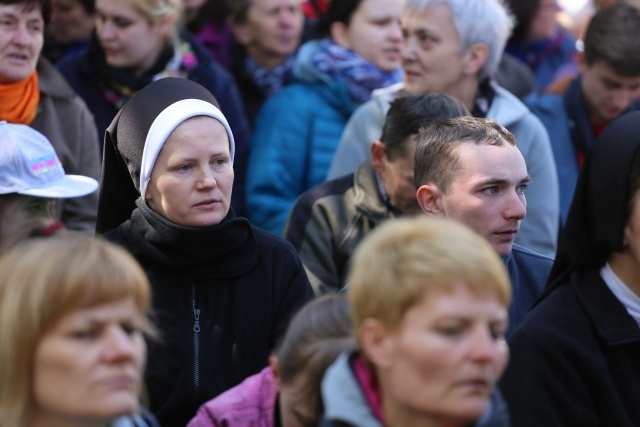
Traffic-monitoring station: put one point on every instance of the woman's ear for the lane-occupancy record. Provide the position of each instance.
(340, 34)
(429, 198)
(378, 344)
(475, 58)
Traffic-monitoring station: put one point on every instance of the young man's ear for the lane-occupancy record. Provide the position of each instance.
(378, 343)
(378, 153)
(429, 198)
(581, 61)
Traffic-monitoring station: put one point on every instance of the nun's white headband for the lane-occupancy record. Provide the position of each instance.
(166, 122)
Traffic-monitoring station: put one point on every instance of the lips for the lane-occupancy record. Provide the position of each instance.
(207, 204)
(509, 234)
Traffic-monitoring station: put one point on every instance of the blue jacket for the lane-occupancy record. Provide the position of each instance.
(528, 273)
(564, 113)
(295, 135)
(78, 71)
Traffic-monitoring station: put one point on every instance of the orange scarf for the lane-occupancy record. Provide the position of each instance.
(19, 100)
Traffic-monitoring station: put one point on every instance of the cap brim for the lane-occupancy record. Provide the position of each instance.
(69, 186)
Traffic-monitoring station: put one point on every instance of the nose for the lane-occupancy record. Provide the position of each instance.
(623, 98)
(485, 348)
(21, 36)
(119, 345)
(408, 48)
(515, 206)
(286, 18)
(395, 33)
(104, 29)
(206, 180)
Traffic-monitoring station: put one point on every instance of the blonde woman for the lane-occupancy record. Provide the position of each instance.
(429, 302)
(72, 320)
(137, 42)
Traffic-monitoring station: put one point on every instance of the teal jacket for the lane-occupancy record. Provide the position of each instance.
(295, 136)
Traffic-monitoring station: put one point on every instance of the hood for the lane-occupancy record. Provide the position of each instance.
(506, 108)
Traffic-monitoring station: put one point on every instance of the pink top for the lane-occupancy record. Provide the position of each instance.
(249, 404)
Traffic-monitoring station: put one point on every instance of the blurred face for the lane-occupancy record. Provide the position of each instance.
(273, 30)
(607, 93)
(21, 41)
(70, 22)
(544, 24)
(374, 33)
(88, 367)
(432, 58)
(487, 193)
(293, 412)
(447, 355)
(17, 209)
(397, 177)
(192, 178)
(128, 38)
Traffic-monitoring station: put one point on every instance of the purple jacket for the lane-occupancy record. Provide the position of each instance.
(249, 404)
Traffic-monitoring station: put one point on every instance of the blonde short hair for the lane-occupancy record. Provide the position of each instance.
(156, 10)
(42, 280)
(405, 259)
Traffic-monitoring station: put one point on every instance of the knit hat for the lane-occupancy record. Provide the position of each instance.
(136, 136)
(29, 165)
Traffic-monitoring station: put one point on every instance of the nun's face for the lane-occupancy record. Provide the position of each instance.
(192, 178)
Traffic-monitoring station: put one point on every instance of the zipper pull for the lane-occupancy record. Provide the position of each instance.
(196, 316)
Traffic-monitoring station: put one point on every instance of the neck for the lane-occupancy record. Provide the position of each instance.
(627, 268)
(41, 419)
(466, 91)
(151, 59)
(264, 60)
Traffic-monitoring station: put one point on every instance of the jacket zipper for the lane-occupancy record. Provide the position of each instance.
(196, 342)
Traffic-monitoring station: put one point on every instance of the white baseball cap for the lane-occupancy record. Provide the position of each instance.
(29, 165)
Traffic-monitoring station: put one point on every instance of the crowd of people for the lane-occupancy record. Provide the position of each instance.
(304, 213)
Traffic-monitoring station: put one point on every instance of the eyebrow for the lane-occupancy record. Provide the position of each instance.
(503, 181)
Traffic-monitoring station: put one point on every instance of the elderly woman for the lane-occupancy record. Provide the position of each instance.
(137, 42)
(33, 93)
(223, 290)
(72, 320)
(429, 308)
(575, 357)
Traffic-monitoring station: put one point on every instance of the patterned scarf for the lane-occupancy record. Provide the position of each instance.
(268, 80)
(360, 76)
(19, 101)
(117, 91)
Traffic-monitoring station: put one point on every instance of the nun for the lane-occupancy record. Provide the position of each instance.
(223, 290)
(575, 360)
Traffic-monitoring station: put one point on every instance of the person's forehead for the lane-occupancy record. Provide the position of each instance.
(32, 10)
(482, 157)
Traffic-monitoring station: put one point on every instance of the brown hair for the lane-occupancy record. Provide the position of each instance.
(317, 334)
(437, 157)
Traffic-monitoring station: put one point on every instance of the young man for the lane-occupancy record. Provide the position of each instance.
(575, 110)
(470, 170)
(329, 221)
(269, 32)
(454, 47)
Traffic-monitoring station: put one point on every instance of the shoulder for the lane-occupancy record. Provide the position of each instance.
(274, 248)
(52, 83)
(327, 196)
(526, 258)
(250, 403)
